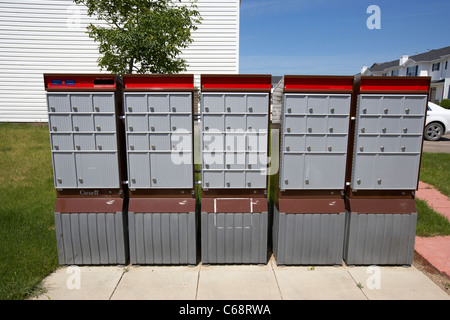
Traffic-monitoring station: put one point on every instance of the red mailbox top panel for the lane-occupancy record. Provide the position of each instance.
(236, 82)
(80, 82)
(325, 84)
(394, 85)
(158, 82)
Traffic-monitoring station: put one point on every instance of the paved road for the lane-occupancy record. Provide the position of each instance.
(442, 146)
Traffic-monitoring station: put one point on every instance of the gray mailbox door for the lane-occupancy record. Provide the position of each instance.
(314, 141)
(388, 140)
(83, 137)
(159, 140)
(234, 139)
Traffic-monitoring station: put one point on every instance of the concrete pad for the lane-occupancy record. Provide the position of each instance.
(158, 283)
(396, 283)
(435, 250)
(318, 283)
(81, 283)
(237, 282)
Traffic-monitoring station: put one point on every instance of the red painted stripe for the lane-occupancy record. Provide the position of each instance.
(237, 82)
(395, 84)
(318, 83)
(159, 82)
(83, 81)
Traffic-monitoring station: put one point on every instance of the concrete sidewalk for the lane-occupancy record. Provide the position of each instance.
(436, 250)
(266, 282)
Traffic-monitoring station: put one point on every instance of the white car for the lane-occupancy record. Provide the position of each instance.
(438, 122)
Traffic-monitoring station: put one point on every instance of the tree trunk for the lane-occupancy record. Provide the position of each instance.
(130, 70)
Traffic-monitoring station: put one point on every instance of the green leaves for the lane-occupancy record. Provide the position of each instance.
(142, 36)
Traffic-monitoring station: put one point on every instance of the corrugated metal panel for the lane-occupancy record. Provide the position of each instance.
(379, 239)
(49, 36)
(163, 238)
(308, 239)
(91, 238)
(234, 238)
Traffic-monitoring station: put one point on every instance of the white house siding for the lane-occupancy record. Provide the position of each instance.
(49, 36)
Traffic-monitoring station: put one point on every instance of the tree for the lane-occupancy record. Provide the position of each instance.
(142, 36)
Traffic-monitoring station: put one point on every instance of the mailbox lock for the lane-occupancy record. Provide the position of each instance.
(250, 109)
(131, 128)
(250, 128)
(228, 128)
(130, 109)
(76, 128)
(310, 110)
(174, 128)
(382, 148)
(206, 128)
(206, 110)
(363, 130)
(249, 147)
(228, 166)
(54, 128)
(386, 111)
(403, 148)
(154, 180)
(152, 109)
(309, 129)
(358, 181)
(228, 109)
(153, 147)
(152, 128)
(364, 111)
(332, 110)
(249, 166)
(331, 130)
(249, 184)
(98, 128)
(289, 110)
(309, 148)
(286, 181)
(384, 130)
(407, 111)
(288, 129)
(207, 166)
(405, 130)
(77, 147)
(288, 148)
(75, 109)
(99, 147)
(97, 109)
(379, 181)
(52, 108)
(330, 148)
(80, 180)
(228, 184)
(131, 147)
(361, 148)
(59, 180)
(56, 147)
(307, 181)
(133, 180)
(174, 109)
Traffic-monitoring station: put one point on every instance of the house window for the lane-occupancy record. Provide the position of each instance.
(395, 73)
(436, 66)
(412, 71)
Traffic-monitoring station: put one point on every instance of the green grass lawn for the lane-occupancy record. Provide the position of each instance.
(435, 170)
(27, 199)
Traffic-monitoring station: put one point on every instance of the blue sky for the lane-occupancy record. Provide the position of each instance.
(330, 37)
